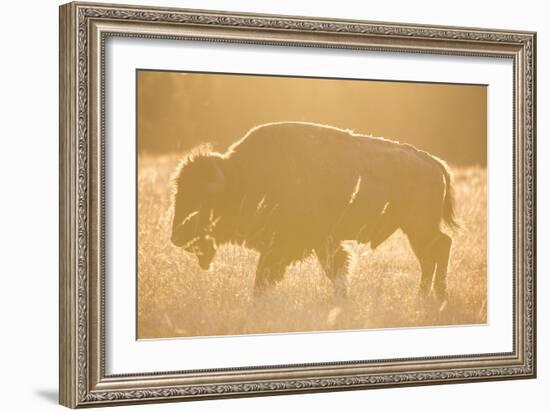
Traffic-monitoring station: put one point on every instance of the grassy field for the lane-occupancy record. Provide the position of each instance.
(177, 298)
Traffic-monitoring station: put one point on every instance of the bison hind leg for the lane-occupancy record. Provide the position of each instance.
(432, 248)
(443, 249)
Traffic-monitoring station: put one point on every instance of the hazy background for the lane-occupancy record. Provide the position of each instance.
(179, 110)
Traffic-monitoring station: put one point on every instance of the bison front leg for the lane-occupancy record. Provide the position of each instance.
(334, 260)
(271, 269)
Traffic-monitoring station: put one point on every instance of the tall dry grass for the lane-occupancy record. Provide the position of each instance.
(176, 298)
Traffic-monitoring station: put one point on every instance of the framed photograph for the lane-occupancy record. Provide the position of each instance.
(260, 204)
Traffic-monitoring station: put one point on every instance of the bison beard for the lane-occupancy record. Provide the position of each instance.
(289, 189)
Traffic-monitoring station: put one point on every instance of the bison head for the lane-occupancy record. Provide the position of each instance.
(199, 185)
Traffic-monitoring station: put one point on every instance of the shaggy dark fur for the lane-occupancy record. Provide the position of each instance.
(287, 189)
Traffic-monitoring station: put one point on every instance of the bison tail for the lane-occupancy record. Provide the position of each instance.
(449, 216)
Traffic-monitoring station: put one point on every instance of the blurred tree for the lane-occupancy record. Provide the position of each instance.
(177, 111)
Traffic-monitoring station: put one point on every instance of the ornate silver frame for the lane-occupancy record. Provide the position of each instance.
(83, 30)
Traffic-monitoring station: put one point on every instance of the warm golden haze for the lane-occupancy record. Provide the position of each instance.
(177, 111)
(176, 298)
(304, 199)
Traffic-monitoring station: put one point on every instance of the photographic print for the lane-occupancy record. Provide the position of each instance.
(243, 195)
(273, 204)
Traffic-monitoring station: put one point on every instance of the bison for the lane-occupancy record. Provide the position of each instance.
(290, 189)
